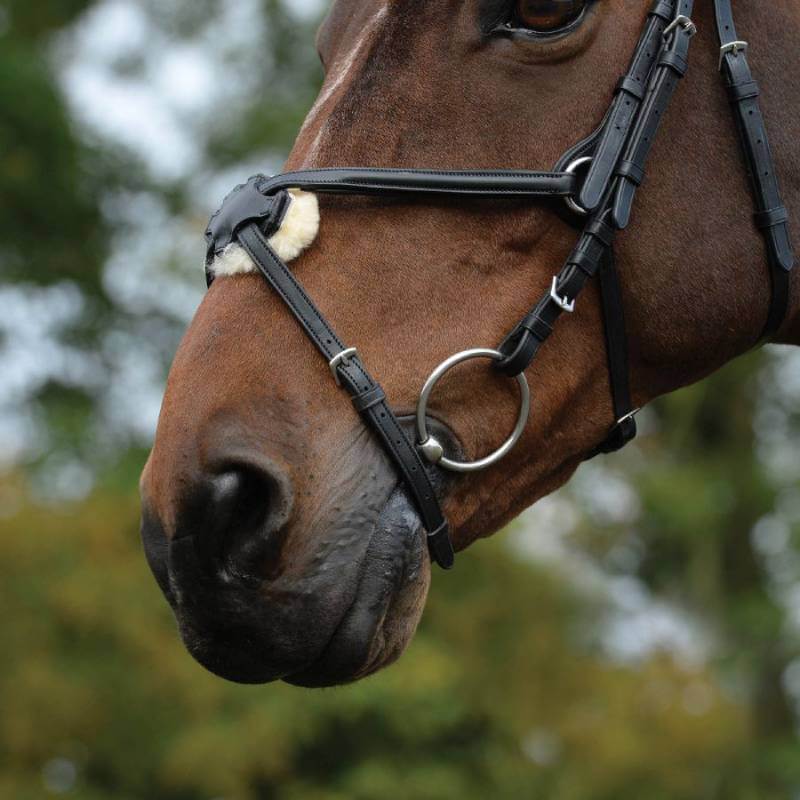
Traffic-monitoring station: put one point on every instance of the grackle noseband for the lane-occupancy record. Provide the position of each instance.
(598, 178)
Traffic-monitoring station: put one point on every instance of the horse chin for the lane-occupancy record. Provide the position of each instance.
(387, 605)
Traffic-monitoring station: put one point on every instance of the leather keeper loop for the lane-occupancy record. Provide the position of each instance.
(368, 399)
(621, 434)
(771, 218)
(631, 86)
(535, 325)
(585, 261)
(738, 92)
(600, 230)
(663, 9)
(632, 171)
(677, 63)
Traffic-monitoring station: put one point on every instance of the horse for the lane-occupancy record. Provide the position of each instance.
(272, 519)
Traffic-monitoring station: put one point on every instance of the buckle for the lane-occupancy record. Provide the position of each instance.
(341, 358)
(734, 48)
(564, 303)
(681, 21)
(571, 169)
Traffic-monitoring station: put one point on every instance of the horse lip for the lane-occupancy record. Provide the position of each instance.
(394, 562)
(398, 532)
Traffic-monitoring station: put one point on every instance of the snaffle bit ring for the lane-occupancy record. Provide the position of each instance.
(571, 169)
(432, 449)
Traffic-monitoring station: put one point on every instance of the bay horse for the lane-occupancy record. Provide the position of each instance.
(272, 519)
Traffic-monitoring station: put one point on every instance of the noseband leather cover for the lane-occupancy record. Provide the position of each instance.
(618, 149)
(245, 204)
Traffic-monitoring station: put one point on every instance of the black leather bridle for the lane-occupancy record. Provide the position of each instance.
(614, 157)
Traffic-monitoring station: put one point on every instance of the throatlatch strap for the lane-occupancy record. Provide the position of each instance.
(770, 214)
(365, 392)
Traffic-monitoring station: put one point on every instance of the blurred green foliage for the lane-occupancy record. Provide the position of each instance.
(493, 699)
(50, 224)
(510, 688)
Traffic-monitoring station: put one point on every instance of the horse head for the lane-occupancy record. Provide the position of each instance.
(273, 520)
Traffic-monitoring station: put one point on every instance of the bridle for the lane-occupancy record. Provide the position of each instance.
(612, 164)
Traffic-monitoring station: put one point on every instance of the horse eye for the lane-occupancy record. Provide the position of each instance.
(546, 15)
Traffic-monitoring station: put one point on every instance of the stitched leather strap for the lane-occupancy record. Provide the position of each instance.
(522, 344)
(770, 215)
(624, 429)
(481, 183)
(367, 395)
(630, 93)
(671, 66)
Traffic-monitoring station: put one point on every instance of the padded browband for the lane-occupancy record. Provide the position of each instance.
(618, 149)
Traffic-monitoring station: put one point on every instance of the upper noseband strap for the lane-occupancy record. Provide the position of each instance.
(479, 183)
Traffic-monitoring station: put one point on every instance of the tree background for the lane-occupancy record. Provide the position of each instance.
(636, 635)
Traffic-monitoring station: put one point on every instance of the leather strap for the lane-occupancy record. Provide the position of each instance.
(366, 393)
(480, 183)
(671, 66)
(771, 216)
(620, 147)
(629, 94)
(624, 429)
(522, 344)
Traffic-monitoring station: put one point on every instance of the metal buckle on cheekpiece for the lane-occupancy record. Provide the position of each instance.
(734, 48)
(245, 204)
(341, 358)
(564, 303)
(681, 21)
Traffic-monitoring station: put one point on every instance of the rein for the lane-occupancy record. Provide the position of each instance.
(613, 160)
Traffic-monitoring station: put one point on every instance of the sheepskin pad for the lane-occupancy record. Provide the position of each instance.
(297, 232)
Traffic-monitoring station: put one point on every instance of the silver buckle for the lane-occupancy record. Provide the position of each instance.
(681, 21)
(734, 48)
(341, 358)
(564, 303)
(571, 168)
(629, 415)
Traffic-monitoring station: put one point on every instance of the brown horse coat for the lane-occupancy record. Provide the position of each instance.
(272, 519)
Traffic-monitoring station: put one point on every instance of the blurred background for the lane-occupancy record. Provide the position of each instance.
(636, 635)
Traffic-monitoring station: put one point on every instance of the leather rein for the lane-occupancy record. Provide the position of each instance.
(612, 161)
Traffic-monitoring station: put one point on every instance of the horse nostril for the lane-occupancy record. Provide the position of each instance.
(235, 520)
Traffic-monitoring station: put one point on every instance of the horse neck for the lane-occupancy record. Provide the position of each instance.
(693, 263)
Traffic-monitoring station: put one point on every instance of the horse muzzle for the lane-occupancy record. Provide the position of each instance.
(260, 595)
